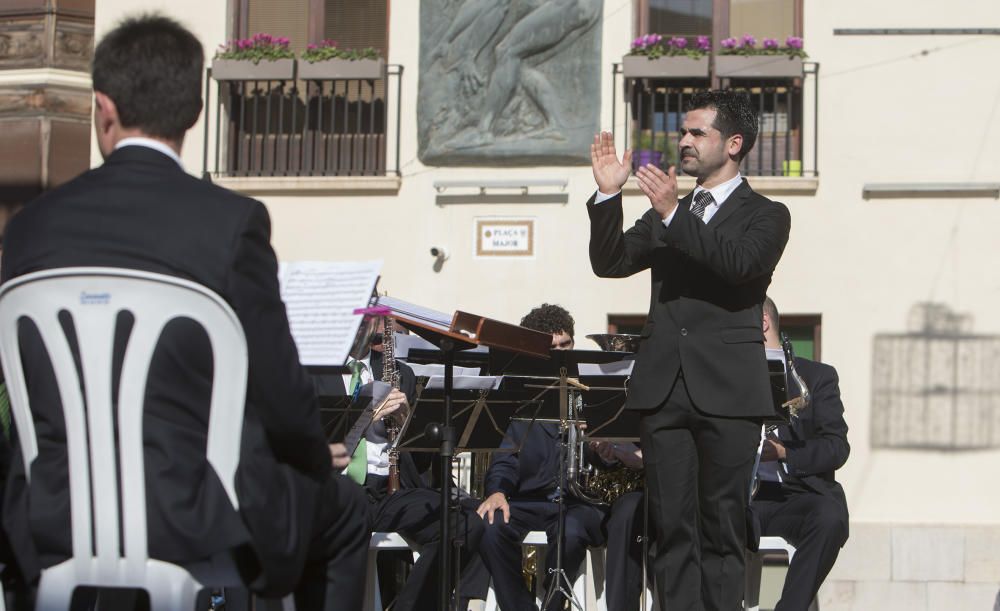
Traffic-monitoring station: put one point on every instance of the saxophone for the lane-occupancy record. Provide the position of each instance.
(390, 375)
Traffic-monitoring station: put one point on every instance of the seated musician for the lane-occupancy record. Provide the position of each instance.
(798, 498)
(414, 510)
(521, 489)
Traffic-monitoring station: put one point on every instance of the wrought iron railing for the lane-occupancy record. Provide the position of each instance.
(786, 141)
(335, 127)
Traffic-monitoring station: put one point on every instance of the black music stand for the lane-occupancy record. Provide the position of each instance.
(526, 372)
(466, 331)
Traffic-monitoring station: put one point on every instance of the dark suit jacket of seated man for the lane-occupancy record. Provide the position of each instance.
(808, 507)
(414, 509)
(297, 521)
(529, 479)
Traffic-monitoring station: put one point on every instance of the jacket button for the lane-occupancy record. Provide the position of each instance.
(684, 331)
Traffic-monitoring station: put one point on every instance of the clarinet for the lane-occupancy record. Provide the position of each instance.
(390, 375)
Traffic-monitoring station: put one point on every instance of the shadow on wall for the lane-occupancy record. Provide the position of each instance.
(937, 385)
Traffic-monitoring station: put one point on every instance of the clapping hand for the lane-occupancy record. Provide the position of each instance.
(609, 172)
(660, 187)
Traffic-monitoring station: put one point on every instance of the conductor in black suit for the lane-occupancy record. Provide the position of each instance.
(299, 526)
(700, 377)
(799, 498)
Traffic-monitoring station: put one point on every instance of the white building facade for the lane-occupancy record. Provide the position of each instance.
(894, 212)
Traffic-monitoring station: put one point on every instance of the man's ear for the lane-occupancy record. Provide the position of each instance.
(105, 113)
(734, 145)
(766, 326)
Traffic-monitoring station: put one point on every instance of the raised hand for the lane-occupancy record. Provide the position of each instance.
(609, 172)
(660, 187)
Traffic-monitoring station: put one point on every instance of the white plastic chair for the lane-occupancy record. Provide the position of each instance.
(589, 584)
(93, 297)
(382, 541)
(755, 565)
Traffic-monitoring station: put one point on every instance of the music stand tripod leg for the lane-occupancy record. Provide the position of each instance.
(560, 583)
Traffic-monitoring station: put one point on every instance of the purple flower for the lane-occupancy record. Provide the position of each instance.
(770, 43)
(748, 41)
(678, 42)
(654, 39)
(728, 43)
(793, 42)
(312, 46)
(704, 43)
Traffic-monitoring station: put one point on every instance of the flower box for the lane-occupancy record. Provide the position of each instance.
(678, 66)
(331, 69)
(758, 66)
(245, 70)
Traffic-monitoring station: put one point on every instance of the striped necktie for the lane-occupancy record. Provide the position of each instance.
(702, 200)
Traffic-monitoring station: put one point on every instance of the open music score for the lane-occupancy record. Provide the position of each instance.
(320, 298)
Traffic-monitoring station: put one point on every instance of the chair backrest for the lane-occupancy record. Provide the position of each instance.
(93, 298)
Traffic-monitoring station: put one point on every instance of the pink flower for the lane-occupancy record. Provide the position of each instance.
(770, 43)
(728, 43)
(748, 41)
(678, 42)
(793, 42)
(704, 43)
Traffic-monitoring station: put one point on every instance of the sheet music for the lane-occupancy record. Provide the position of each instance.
(407, 341)
(433, 369)
(320, 297)
(466, 382)
(617, 368)
(418, 313)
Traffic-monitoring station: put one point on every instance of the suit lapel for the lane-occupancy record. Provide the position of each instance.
(729, 206)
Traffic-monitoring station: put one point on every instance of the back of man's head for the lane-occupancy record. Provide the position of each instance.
(151, 68)
(734, 114)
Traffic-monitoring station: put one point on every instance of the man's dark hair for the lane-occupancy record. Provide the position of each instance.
(772, 312)
(151, 66)
(734, 115)
(549, 318)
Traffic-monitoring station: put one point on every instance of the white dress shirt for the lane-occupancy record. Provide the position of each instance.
(149, 143)
(720, 193)
(376, 441)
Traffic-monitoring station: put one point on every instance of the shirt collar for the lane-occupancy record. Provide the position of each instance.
(149, 143)
(721, 192)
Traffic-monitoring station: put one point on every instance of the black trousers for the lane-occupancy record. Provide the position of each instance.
(501, 546)
(698, 470)
(334, 576)
(815, 524)
(623, 578)
(415, 514)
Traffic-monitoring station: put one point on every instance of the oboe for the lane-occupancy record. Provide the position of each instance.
(390, 375)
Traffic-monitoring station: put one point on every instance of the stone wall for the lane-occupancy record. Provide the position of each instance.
(915, 567)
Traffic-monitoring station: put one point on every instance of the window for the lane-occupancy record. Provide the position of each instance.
(721, 18)
(676, 17)
(804, 331)
(352, 23)
(333, 126)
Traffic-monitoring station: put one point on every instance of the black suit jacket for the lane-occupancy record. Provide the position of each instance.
(708, 282)
(140, 210)
(410, 468)
(533, 471)
(816, 442)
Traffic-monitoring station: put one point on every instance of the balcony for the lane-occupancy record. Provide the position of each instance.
(302, 128)
(786, 146)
